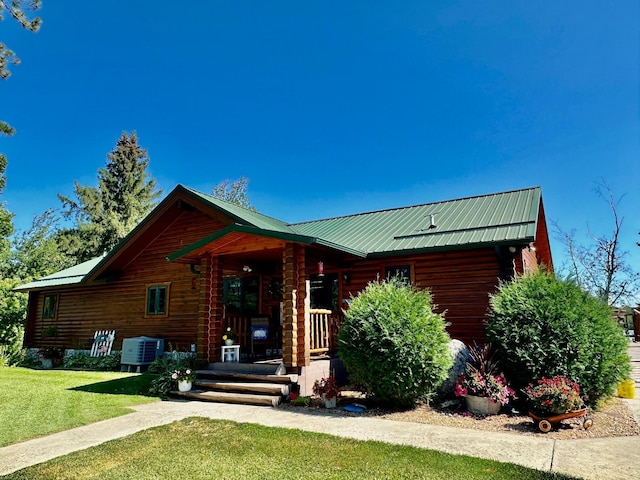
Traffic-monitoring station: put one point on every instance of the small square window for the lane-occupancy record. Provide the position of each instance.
(49, 307)
(402, 271)
(157, 300)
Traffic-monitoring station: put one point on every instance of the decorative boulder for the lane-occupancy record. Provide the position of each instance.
(460, 355)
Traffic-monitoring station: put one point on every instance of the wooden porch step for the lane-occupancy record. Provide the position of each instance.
(279, 389)
(249, 368)
(226, 397)
(244, 377)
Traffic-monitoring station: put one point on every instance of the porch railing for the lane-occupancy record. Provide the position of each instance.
(323, 326)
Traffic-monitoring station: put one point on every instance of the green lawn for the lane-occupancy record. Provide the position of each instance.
(198, 448)
(39, 402)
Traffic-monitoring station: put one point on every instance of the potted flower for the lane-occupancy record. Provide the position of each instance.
(327, 389)
(484, 389)
(185, 378)
(228, 336)
(554, 396)
(50, 356)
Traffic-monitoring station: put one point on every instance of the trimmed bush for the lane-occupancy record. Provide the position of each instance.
(392, 343)
(84, 361)
(545, 327)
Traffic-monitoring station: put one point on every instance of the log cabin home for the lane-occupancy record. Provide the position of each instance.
(196, 265)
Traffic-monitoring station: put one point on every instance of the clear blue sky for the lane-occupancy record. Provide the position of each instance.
(332, 108)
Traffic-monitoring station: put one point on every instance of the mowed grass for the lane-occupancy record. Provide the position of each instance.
(199, 448)
(39, 402)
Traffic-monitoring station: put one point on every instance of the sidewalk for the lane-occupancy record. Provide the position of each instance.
(602, 458)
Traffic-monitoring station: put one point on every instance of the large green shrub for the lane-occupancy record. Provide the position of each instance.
(393, 344)
(545, 327)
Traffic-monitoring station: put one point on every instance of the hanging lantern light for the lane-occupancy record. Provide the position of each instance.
(320, 269)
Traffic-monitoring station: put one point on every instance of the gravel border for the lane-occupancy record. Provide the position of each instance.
(614, 419)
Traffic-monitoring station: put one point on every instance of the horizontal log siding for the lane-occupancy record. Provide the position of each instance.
(121, 304)
(460, 283)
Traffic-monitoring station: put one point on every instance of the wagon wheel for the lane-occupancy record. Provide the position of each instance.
(587, 424)
(544, 426)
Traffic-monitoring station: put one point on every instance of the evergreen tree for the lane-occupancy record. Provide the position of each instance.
(16, 9)
(106, 214)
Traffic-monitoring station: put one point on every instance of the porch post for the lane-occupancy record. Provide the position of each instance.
(210, 314)
(304, 304)
(296, 340)
(290, 313)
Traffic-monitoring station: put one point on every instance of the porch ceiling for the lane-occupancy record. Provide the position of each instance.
(241, 245)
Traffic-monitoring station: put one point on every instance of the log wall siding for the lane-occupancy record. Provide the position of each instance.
(460, 282)
(121, 304)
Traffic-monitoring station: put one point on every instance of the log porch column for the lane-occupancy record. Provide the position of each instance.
(211, 309)
(295, 331)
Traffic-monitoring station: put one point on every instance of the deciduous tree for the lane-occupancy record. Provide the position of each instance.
(600, 267)
(234, 192)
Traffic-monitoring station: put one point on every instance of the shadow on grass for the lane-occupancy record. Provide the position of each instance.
(136, 385)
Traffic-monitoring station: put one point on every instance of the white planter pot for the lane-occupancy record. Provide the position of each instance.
(228, 342)
(482, 405)
(330, 402)
(184, 386)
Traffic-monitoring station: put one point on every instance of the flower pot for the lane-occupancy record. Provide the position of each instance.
(482, 405)
(184, 385)
(228, 342)
(330, 402)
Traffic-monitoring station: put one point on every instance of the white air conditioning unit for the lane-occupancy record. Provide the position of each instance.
(139, 351)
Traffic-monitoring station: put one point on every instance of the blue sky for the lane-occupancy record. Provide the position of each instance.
(332, 108)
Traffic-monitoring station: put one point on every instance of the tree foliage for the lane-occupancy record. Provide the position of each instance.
(36, 253)
(6, 219)
(234, 192)
(16, 9)
(601, 267)
(104, 215)
(543, 327)
(393, 344)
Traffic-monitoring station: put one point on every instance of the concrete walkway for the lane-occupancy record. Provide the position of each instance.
(604, 458)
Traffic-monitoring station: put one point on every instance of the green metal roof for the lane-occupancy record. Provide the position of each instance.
(495, 219)
(68, 276)
(242, 215)
(498, 218)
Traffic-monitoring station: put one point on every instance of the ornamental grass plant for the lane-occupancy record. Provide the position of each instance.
(482, 377)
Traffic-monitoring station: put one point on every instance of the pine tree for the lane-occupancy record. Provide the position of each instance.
(16, 9)
(106, 214)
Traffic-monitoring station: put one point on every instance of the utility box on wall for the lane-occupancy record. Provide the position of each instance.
(140, 352)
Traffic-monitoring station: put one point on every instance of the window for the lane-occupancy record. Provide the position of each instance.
(49, 307)
(402, 271)
(324, 291)
(241, 294)
(157, 300)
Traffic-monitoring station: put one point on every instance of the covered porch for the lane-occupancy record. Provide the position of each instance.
(281, 298)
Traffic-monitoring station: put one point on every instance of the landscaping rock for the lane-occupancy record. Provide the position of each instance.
(459, 354)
